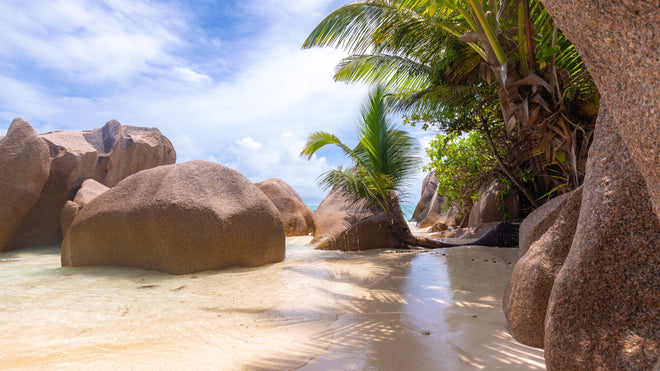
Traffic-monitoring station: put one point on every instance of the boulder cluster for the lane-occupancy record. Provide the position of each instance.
(40, 173)
(115, 197)
(587, 285)
(494, 206)
(178, 219)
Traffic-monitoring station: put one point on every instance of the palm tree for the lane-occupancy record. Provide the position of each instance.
(382, 161)
(446, 60)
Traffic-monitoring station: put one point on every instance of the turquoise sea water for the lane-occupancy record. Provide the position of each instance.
(408, 209)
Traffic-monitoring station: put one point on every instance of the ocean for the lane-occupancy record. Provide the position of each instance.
(407, 209)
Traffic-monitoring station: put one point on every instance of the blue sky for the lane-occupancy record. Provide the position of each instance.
(226, 81)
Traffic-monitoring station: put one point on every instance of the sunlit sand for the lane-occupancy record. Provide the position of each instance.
(375, 310)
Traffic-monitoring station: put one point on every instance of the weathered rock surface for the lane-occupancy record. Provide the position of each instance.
(298, 218)
(430, 212)
(487, 208)
(71, 158)
(470, 233)
(67, 215)
(604, 308)
(526, 297)
(367, 234)
(336, 213)
(89, 190)
(104, 154)
(538, 222)
(429, 187)
(137, 149)
(433, 213)
(618, 237)
(450, 218)
(24, 168)
(178, 219)
(620, 48)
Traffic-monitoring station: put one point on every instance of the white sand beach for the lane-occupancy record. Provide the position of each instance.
(317, 310)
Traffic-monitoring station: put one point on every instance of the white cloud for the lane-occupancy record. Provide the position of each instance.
(279, 157)
(191, 76)
(293, 8)
(20, 98)
(149, 64)
(249, 144)
(89, 40)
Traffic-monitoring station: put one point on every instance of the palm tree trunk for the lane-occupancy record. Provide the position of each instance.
(401, 232)
(528, 36)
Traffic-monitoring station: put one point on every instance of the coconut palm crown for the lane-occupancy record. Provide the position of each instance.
(382, 161)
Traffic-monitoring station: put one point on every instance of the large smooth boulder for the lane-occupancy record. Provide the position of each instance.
(604, 308)
(178, 219)
(298, 218)
(492, 206)
(539, 221)
(526, 296)
(367, 234)
(336, 213)
(89, 190)
(618, 41)
(104, 154)
(429, 188)
(137, 149)
(24, 168)
(430, 211)
(433, 213)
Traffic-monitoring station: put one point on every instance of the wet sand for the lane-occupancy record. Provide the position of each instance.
(317, 310)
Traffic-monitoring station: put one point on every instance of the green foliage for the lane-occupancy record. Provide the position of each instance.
(461, 164)
(382, 161)
(464, 65)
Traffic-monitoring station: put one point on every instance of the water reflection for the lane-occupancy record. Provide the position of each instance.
(316, 310)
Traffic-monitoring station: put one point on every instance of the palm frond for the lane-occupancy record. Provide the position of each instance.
(382, 160)
(393, 72)
(353, 184)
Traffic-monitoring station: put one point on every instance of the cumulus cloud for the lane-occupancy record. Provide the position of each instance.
(89, 40)
(239, 91)
(279, 157)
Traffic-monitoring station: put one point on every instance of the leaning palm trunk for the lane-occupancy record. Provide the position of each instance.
(547, 100)
(399, 229)
(382, 160)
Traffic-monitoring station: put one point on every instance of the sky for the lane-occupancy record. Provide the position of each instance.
(225, 81)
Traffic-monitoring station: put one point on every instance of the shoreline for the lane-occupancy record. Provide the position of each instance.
(316, 310)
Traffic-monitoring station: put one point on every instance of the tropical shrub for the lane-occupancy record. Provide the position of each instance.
(461, 165)
(487, 65)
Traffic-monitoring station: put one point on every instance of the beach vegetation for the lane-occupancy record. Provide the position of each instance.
(382, 161)
(501, 68)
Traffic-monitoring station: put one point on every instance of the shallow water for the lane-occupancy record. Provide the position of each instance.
(374, 310)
